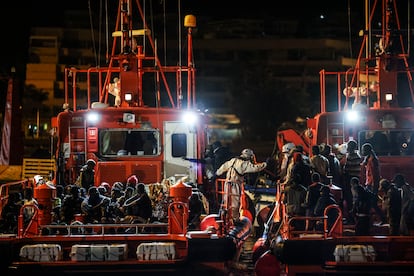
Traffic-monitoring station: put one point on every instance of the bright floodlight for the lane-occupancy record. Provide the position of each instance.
(352, 116)
(92, 117)
(388, 97)
(128, 97)
(190, 117)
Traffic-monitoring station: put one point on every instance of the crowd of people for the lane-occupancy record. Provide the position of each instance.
(306, 180)
(129, 202)
(366, 199)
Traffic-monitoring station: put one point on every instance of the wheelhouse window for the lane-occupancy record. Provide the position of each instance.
(129, 142)
(179, 145)
(389, 142)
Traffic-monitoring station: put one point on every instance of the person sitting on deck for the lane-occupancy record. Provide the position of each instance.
(94, 206)
(29, 201)
(10, 213)
(140, 206)
(71, 204)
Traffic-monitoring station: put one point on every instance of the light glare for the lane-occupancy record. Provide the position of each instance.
(190, 118)
(352, 116)
(128, 97)
(92, 117)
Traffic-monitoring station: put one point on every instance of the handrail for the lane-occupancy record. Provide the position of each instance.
(334, 231)
(5, 191)
(102, 228)
(337, 227)
(177, 218)
(32, 226)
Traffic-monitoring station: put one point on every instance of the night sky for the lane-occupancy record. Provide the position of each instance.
(19, 16)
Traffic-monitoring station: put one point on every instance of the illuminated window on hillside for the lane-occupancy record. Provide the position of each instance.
(179, 145)
(129, 142)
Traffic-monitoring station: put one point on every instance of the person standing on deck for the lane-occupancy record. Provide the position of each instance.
(302, 168)
(391, 204)
(235, 170)
(319, 164)
(371, 173)
(407, 195)
(293, 197)
(351, 169)
(286, 157)
(312, 196)
(361, 208)
(326, 199)
(370, 165)
(334, 165)
(86, 178)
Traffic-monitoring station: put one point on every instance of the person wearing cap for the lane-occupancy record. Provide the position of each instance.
(86, 177)
(132, 181)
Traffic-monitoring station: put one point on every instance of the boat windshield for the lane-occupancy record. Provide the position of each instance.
(389, 142)
(129, 142)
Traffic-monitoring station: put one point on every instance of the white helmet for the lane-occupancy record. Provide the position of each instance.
(38, 179)
(247, 154)
(287, 147)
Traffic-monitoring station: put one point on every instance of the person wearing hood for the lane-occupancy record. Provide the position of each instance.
(236, 169)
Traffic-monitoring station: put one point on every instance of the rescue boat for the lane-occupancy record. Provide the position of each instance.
(374, 96)
(128, 119)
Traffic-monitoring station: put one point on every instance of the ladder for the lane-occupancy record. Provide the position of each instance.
(77, 149)
(335, 132)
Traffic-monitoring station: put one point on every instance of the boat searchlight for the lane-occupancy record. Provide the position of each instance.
(352, 116)
(190, 118)
(92, 117)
